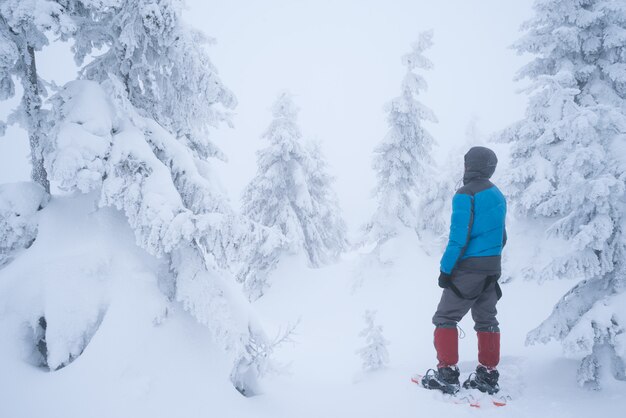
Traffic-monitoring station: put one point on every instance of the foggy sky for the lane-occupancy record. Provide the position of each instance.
(341, 60)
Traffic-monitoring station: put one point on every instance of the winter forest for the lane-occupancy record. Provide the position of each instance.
(238, 208)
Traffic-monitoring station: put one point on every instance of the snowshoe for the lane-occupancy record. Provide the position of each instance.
(484, 380)
(445, 379)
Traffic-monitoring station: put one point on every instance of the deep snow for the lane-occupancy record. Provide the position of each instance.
(149, 358)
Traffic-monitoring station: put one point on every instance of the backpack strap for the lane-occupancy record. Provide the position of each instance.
(488, 281)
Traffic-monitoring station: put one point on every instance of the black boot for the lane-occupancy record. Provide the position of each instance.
(445, 379)
(484, 380)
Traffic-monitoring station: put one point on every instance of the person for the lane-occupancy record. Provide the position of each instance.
(470, 268)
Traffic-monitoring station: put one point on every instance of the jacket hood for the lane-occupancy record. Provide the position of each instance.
(480, 163)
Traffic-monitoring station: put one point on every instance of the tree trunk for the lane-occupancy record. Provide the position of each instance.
(32, 107)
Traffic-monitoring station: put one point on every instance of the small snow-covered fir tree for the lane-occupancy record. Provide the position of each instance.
(332, 229)
(24, 25)
(568, 172)
(403, 161)
(293, 191)
(374, 355)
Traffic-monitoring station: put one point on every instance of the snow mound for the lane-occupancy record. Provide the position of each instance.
(59, 289)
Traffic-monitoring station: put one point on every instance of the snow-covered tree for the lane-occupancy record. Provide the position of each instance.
(403, 161)
(332, 227)
(24, 25)
(101, 143)
(162, 64)
(374, 354)
(293, 191)
(568, 171)
(134, 134)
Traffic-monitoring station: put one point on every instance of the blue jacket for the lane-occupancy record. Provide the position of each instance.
(477, 229)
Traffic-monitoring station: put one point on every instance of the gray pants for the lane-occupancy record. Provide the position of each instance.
(482, 301)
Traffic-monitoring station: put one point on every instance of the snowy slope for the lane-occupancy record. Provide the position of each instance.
(143, 361)
(326, 380)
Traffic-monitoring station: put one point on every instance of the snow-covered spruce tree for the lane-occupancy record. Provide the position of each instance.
(568, 171)
(105, 145)
(168, 77)
(403, 160)
(374, 355)
(137, 134)
(23, 28)
(332, 227)
(162, 65)
(292, 190)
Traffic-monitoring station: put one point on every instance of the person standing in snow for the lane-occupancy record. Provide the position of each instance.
(470, 268)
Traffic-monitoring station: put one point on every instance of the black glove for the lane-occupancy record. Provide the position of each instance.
(444, 280)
